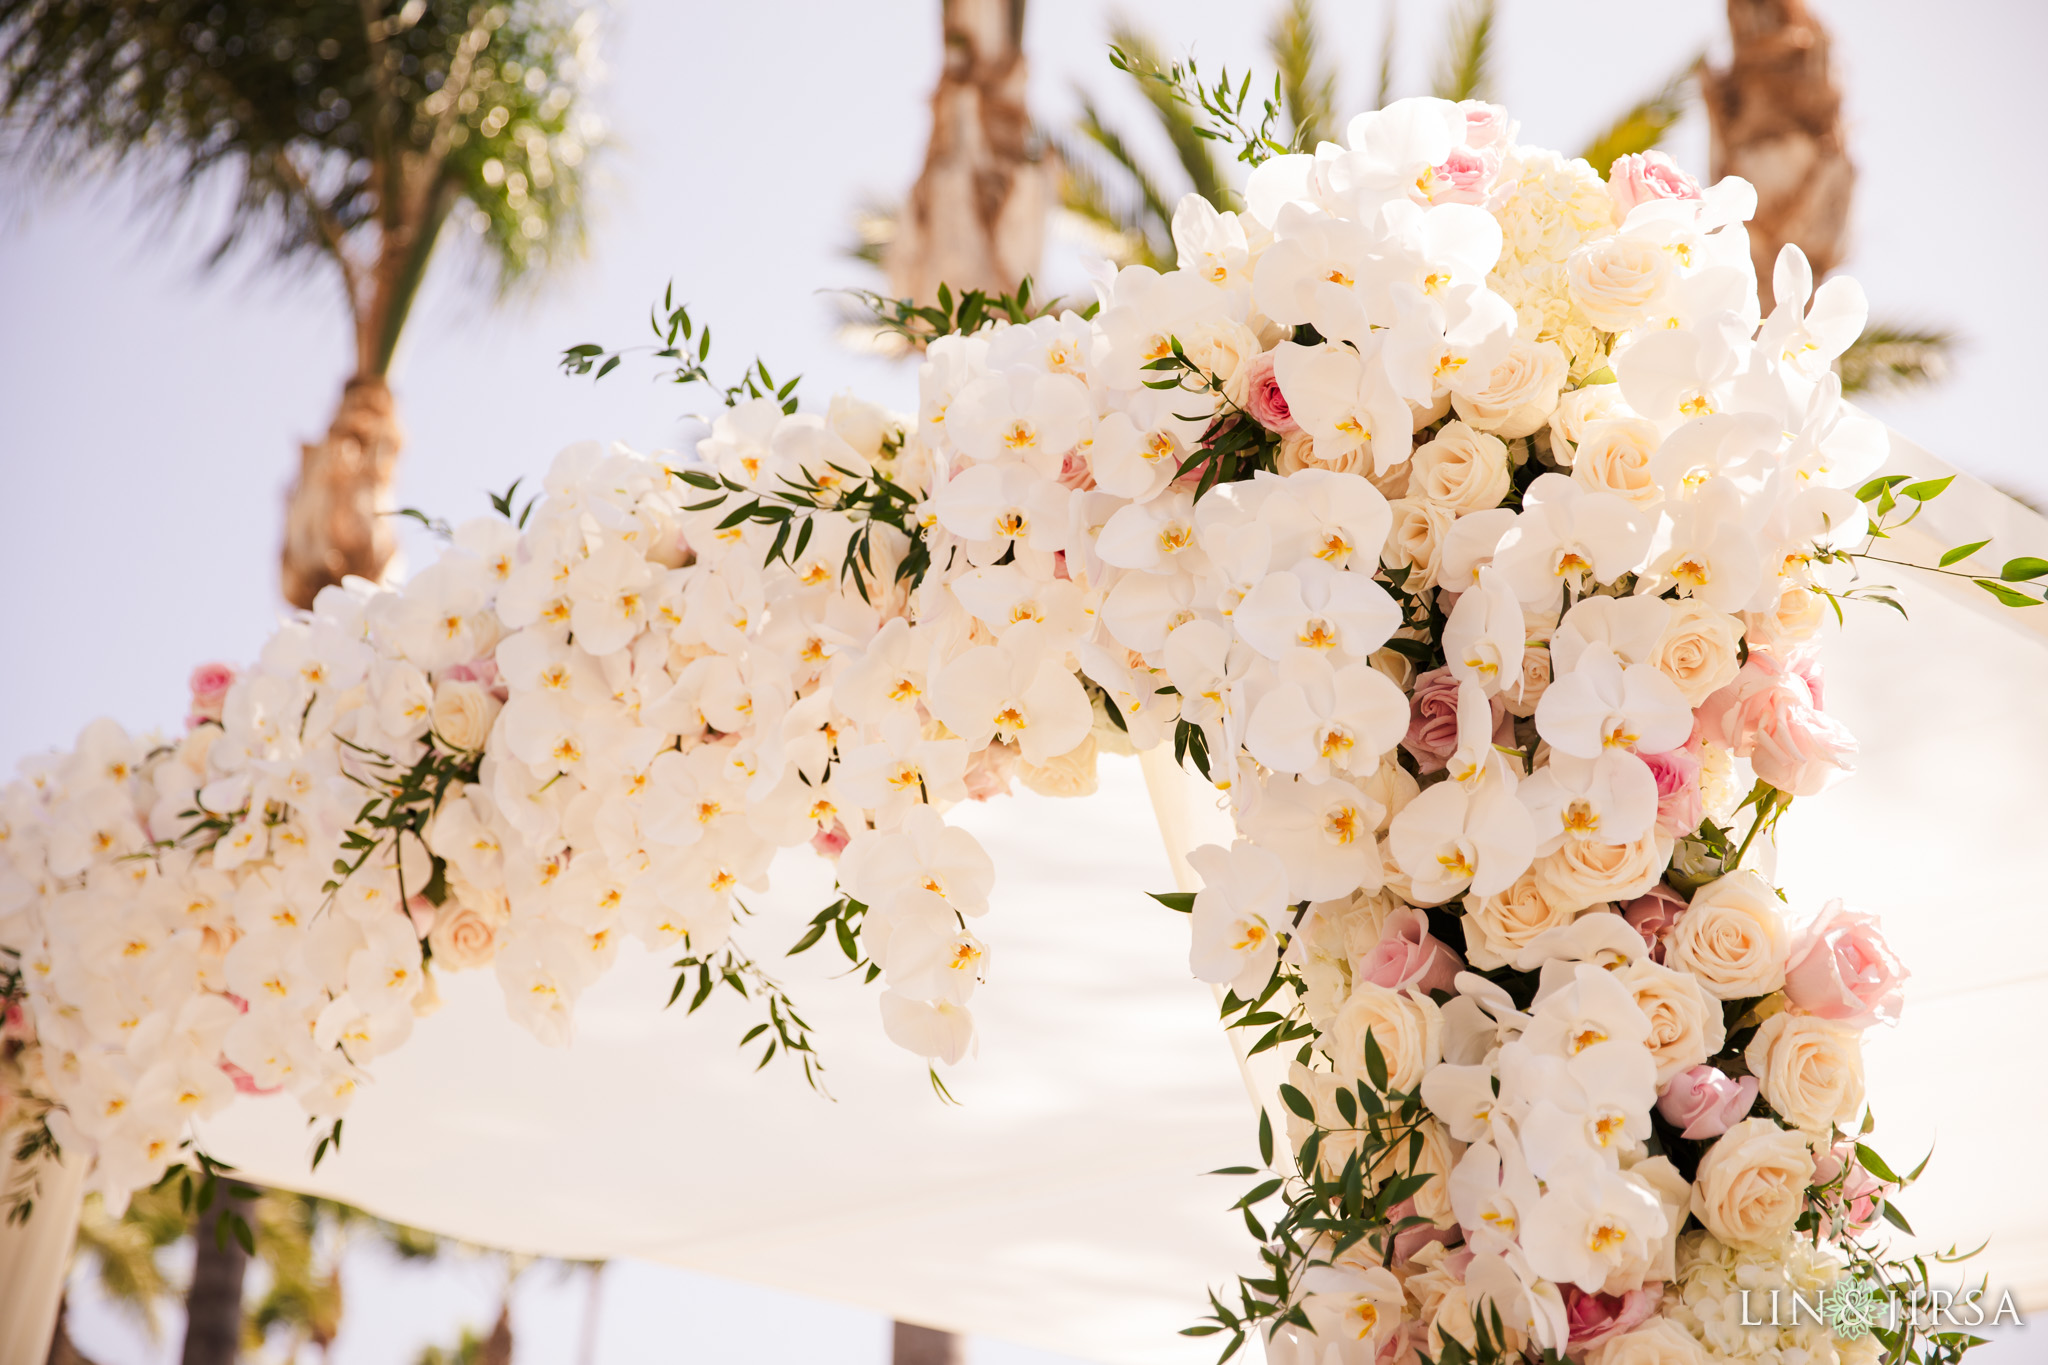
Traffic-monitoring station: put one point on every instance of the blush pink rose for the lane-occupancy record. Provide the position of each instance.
(1596, 1317)
(1769, 716)
(423, 913)
(988, 772)
(1653, 915)
(1462, 177)
(1705, 1102)
(483, 672)
(1861, 1192)
(1487, 126)
(831, 842)
(209, 684)
(1407, 955)
(1641, 177)
(1680, 807)
(1263, 399)
(1433, 721)
(1840, 968)
(1075, 472)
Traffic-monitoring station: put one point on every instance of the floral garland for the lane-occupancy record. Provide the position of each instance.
(1451, 509)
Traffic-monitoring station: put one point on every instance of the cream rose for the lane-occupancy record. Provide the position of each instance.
(1298, 452)
(1580, 872)
(1732, 938)
(1528, 690)
(462, 714)
(1071, 774)
(1797, 616)
(1499, 927)
(1521, 393)
(1685, 1022)
(1578, 410)
(1417, 540)
(1751, 1184)
(1699, 649)
(1614, 457)
(1810, 1070)
(1615, 280)
(1222, 347)
(464, 936)
(1660, 1341)
(1462, 469)
(1408, 1029)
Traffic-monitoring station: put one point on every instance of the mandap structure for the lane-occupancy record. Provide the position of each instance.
(1452, 539)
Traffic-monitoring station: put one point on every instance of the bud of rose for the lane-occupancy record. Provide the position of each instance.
(1842, 970)
(1652, 916)
(1407, 956)
(1704, 1102)
(1263, 399)
(209, 684)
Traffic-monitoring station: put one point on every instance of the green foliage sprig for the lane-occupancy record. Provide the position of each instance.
(678, 338)
(732, 968)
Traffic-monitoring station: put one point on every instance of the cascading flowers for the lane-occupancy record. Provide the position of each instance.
(1452, 510)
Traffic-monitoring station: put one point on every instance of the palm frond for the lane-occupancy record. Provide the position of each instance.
(1384, 92)
(332, 117)
(1123, 231)
(1196, 154)
(1891, 356)
(1308, 90)
(1149, 214)
(874, 232)
(1644, 126)
(1466, 72)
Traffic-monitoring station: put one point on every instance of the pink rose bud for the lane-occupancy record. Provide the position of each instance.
(1840, 968)
(831, 842)
(1408, 1241)
(1596, 1317)
(1680, 808)
(1461, 178)
(1263, 399)
(1407, 956)
(1641, 177)
(1861, 1193)
(209, 684)
(1653, 915)
(422, 912)
(1705, 1102)
(988, 772)
(483, 672)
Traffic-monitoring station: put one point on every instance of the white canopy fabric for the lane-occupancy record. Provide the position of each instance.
(1062, 1203)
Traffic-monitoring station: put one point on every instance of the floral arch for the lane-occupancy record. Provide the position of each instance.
(1452, 511)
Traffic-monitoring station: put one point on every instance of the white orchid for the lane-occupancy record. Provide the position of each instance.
(1452, 838)
(1239, 915)
(1611, 799)
(1602, 705)
(1318, 720)
(1016, 690)
(1315, 606)
(1569, 537)
(1485, 635)
(1345, 402)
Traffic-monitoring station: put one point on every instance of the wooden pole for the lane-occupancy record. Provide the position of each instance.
(915, 1345)
(35, 1258)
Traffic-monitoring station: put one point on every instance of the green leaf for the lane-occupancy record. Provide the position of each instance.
(1873, 1163)
(1927, 489)
(1183, 901)
(1878, 486)
(1298, 1102)
(2021, 569)
(1265, 1137)
(1962, 552)
(2007, 595)
(1375, 1062)
(1895, 1218)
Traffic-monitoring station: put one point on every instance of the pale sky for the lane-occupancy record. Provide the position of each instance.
(149, 414)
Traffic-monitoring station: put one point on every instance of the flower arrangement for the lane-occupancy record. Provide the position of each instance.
(1451, 509)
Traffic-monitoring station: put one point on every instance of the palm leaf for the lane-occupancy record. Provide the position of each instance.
(1196, 154)
(1125, 231)
(1890, 356)
(1384, 93)
(1309, 92)
(1644, 126)
(1466, 70)
(1151, 216)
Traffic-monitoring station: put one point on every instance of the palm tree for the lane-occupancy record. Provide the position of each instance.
(975, 219)
(353, 132)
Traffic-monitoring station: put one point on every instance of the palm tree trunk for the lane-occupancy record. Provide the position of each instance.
(976, 217)
(338, 514)
(916, 1345)
(62, 1351)
(213, 1305)
(497, 1347)
(1776, 120)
